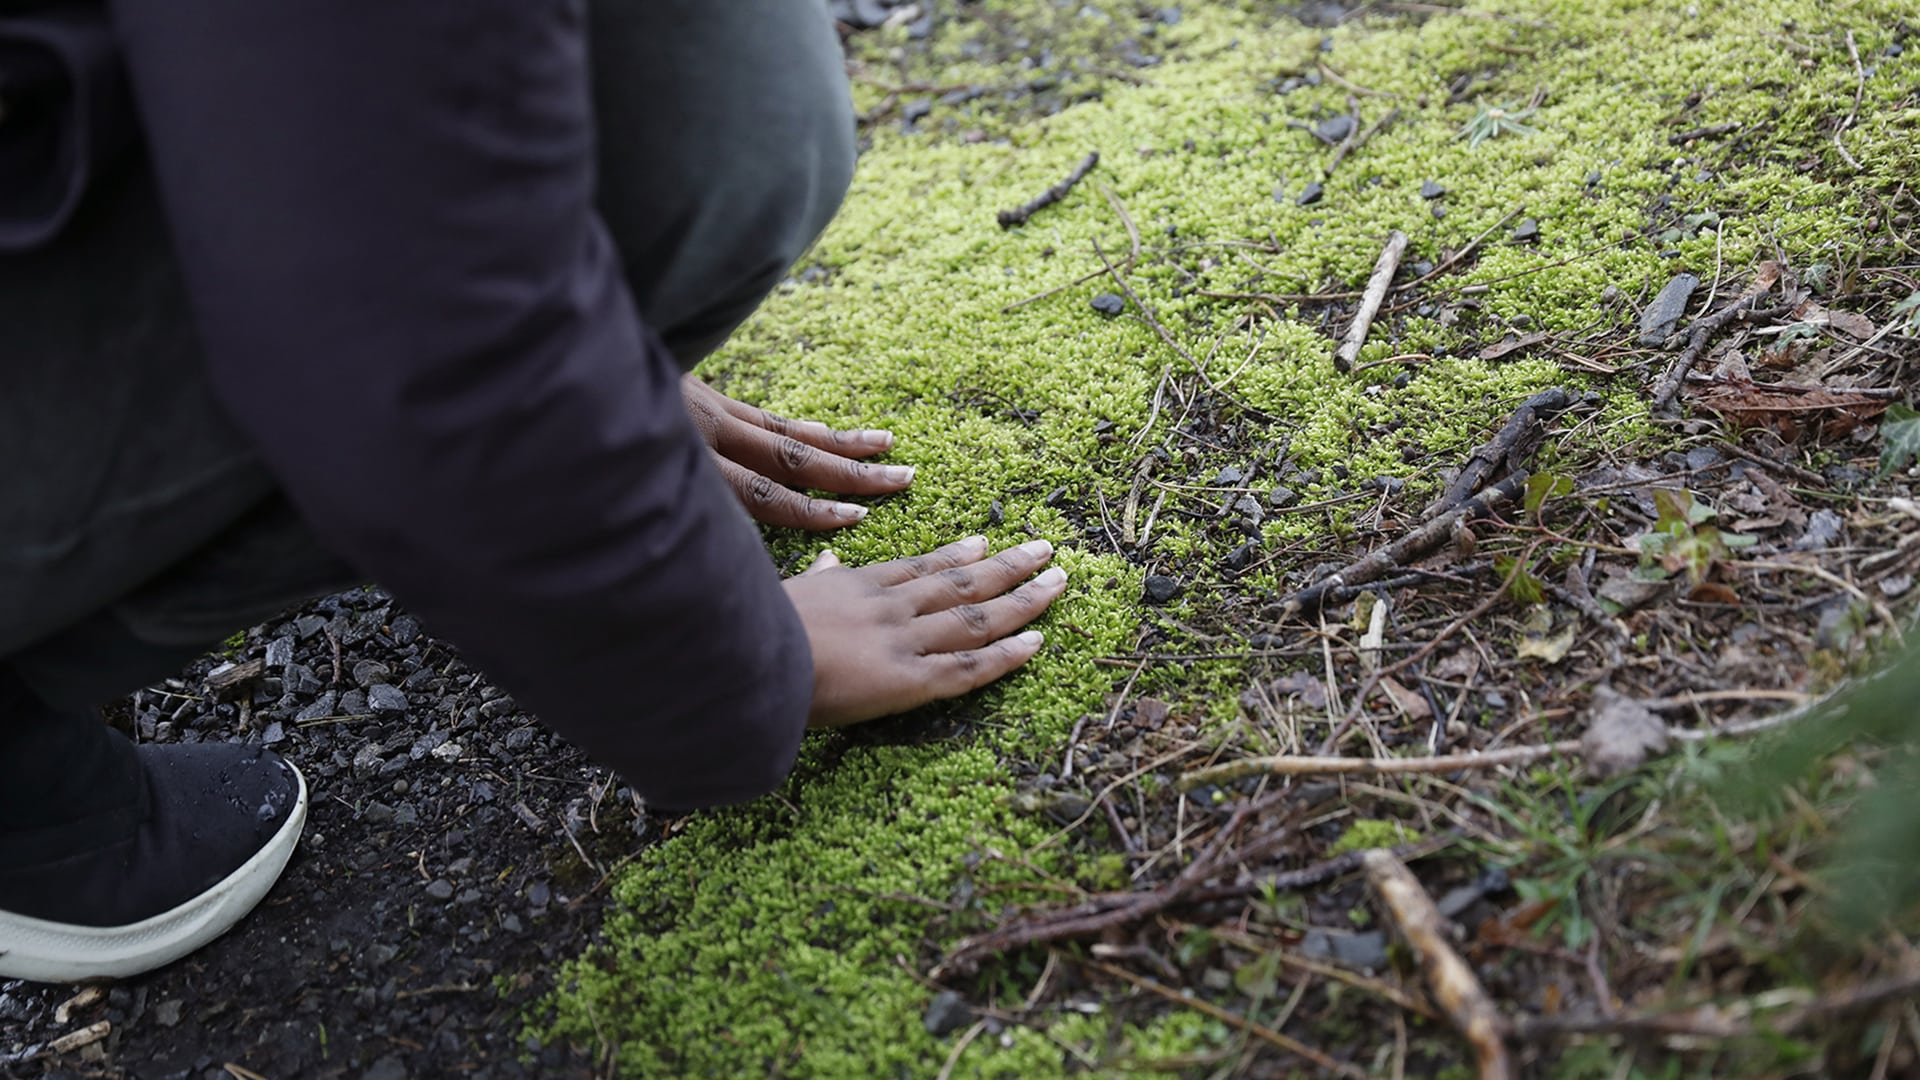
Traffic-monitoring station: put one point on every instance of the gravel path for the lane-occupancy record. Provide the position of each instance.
(443, 876)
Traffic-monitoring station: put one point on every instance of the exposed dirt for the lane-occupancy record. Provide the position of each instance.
(434, 886)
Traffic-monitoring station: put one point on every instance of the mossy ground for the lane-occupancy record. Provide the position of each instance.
(788, 937)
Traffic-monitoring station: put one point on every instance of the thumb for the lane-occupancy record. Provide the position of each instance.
(826, 560)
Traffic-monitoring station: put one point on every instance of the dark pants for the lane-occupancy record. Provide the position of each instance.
(138, 528)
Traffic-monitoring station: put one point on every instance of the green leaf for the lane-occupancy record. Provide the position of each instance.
(1257, 978)
(1899, 438)
(1543, 486)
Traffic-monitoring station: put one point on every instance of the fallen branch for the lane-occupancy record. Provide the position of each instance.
(1019, 215)
(1455, 989)
(1410, 548)
(1698, 335)
(1311, 765)
(1508, 450)
(1259, 1031)
(1370, 301)
(1104, 911)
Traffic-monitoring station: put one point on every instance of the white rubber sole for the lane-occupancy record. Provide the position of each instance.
(39, 950)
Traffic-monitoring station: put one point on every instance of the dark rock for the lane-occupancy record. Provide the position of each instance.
(1701, 458)
(495, 708)
(368, 672)
(406, 629)
(1239, 557)
(366, 761)
(275, 734)
(279, 652)
(1527, 231)
(385, 697)
(1334, 128)
(1660, 316)
(440, 889)
(1227, 477)
(1282, 497)
(320, 707)
(167, 1013)
(353, 703)
(308, 625)
(1109, 304)
(377, 813)
(539, 894)
(406, 814)
(1161, 589)
(300, 679)
(1311, 193)
(913, 111)
(1431, 190)
(427, 744)
(948, 1013)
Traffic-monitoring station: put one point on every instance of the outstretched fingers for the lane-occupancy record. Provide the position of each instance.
(955, 673)
(791, 459)
(779, 505)
(857, 443)
(901, 571)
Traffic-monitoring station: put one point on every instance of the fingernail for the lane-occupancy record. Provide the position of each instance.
(1052, 576)
(849, 511)
(899, 474)
(974, 542)
(1037, 548)
(881, 439)
(1031, 638)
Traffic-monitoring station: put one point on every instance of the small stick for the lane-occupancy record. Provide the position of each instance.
(1294, 765)
(1259, 1031)
(1682, 138)
(1018, 216)
(1351, 145)
(1370, 302)
(1725, 1021)
(1698, 335)
(1299, 765)
(1453, 260)
(1153, 320)
(1859, 91)
(1455, 989)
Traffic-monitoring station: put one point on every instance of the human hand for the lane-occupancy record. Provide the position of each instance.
(764, 457)
(897, 635)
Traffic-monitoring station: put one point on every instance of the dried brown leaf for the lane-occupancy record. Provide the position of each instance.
(1621, 733)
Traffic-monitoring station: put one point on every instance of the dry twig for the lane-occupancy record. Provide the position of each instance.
(1455, 989)
(1308, 765)
(1019, 215)
(1370, 301)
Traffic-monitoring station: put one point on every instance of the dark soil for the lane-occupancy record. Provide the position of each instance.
(434, 892)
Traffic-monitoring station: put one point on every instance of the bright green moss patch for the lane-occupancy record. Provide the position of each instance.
(787, 937)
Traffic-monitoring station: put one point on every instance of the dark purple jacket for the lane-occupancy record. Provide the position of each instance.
(384, 211)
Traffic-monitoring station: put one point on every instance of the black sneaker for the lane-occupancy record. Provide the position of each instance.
(216, 826)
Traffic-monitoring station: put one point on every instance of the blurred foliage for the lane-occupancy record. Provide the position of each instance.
(1874, 873)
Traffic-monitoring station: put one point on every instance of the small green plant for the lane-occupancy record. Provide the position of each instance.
(1899, 437)
(1682, 539)
(1496, 120)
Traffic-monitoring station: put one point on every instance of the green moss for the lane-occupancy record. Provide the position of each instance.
(1366, 833)
(781, 937)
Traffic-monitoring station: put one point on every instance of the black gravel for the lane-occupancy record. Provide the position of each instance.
(433, 896)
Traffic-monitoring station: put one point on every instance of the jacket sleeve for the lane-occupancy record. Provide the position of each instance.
(384, 212)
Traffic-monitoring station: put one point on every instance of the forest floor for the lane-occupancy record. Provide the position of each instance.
(1617, 487)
